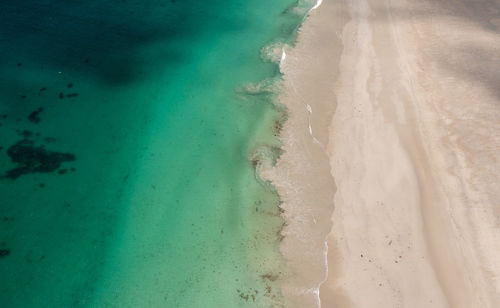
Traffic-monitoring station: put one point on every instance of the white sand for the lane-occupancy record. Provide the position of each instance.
(403, 162)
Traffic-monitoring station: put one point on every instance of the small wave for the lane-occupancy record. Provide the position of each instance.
(273, 53)
(265, 157)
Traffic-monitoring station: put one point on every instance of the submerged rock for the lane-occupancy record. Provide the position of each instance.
(34, 159)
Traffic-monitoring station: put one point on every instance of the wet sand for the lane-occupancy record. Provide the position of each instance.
(390, 179)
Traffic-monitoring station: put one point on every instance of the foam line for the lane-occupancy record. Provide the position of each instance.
(318, 3)
(283, 56)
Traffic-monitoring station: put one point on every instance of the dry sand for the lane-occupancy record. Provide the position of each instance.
(392, 161)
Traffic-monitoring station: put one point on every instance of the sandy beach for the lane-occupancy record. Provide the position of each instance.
(390, 180)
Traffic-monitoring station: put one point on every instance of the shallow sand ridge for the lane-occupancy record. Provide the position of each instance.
(402, 99)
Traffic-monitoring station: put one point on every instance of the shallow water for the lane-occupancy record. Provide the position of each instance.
(125, 148)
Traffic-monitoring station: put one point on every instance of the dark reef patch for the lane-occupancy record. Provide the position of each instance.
(4, 253)
(35, 115)
(25, 133)
(49, 139)
(34, 159)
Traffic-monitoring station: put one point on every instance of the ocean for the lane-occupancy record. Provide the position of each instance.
(129, 135)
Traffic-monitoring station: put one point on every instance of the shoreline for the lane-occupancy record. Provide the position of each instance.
(382, 172)
(304, 187)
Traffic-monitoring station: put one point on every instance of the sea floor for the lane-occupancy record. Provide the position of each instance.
(125, 145)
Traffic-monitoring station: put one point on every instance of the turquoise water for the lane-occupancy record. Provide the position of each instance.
(125, 145)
